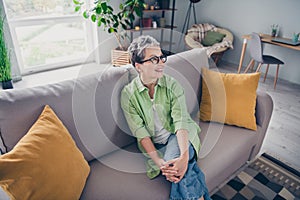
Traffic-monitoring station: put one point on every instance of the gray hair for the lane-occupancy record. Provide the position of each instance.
(138, 45)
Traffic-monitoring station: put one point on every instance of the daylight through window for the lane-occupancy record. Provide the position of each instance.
(47, 34)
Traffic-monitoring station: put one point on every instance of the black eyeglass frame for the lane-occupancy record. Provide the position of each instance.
(155, 59)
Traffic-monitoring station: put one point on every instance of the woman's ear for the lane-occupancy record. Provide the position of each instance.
(138, 67)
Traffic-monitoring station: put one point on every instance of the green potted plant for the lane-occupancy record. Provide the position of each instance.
(114, 22)
(5, 72)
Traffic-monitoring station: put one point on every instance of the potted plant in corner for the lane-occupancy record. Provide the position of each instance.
(5, 72)
(114, 22)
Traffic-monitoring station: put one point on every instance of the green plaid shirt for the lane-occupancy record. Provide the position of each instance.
(171, 108)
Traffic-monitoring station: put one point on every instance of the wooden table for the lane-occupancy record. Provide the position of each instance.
(265, 39)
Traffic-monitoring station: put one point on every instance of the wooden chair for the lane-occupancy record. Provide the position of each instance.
(256, 53)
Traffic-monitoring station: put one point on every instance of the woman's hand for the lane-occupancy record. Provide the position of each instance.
(159, 162)
(175, 169)
(170, 172)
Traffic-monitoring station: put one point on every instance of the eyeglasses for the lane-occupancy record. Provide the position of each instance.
(155, 59)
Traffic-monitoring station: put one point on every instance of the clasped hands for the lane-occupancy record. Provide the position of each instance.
(174, 169)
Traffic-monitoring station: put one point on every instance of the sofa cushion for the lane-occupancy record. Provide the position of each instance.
(229, 98)
(128, 168)
(88, 106)
(224, 154)
(45, 163)
(125, 178)
(212, 37)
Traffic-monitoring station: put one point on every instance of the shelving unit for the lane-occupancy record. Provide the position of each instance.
(169, 26)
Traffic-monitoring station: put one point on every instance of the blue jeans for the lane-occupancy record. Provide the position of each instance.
(192, 186)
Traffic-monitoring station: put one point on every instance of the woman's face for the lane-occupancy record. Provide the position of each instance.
(150, 72)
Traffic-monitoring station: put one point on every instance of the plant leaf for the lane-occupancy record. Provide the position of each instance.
(119, 16)
(98, 10)
(115, 17)
(111, 30)
(76, 2)
(77, 8)
(93, 17)
(128, 3)
(103, 20)
(99, 23)
(109, 8)
(127, 22)
(85, 14)
(125, 14)
(104, 6)
(116, 25)
(131, 17)
(138, 11)
(124, 26)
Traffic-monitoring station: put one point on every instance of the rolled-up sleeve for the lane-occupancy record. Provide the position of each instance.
(134, 120)
(179, 112)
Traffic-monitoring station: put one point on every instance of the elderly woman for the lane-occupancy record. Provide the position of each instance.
(155, 110)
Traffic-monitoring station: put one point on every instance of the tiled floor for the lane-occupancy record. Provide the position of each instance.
(262, 179)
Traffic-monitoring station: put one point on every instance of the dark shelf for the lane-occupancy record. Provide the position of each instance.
(160, 10)
(151, 28)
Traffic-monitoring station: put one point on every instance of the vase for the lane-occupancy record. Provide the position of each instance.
(273, 33)
(147, 22)
(295, 37)
(162, 22)
(7, 85)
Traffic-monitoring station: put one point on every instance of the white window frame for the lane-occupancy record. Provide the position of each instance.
(90, 37)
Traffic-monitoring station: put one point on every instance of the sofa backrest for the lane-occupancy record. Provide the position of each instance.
(186, 68)
(89, 106)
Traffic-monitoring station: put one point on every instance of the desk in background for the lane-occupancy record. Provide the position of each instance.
(265, 39)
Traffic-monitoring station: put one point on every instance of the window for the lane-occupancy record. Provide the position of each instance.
(47, 34)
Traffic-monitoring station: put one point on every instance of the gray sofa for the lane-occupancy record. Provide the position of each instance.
(90, 109)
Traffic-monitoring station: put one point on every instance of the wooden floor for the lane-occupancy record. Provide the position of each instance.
(283, 135)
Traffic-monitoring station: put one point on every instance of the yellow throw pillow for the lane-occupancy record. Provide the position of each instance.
(229, 98)
(45, 164)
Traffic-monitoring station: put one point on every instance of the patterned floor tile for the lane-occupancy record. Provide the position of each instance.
(245, 178)
(286, 194)
(261, 180)
(247, 193)
(228, 192)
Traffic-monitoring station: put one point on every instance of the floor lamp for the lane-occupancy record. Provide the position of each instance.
(188, 16)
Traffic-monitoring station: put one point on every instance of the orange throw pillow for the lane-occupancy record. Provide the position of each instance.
(45, 164)
(229, 98)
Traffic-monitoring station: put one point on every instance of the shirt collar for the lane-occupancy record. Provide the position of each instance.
(141, 86)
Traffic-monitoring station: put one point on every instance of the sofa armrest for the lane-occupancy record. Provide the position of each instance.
(264, 109)
(263, 113)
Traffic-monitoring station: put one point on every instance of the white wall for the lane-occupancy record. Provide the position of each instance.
(243, 17)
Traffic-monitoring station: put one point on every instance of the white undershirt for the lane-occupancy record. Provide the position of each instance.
(161, 134)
